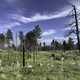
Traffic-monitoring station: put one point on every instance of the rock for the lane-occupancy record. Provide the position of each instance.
(29, 66)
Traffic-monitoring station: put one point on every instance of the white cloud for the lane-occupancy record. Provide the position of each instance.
(61, 38)
(39, 17)
(48, 32)
(70, 28)
(66, 29)
(13, 24)
(46, 40)
(49, 40)
(21, 18)
(9, 26)
(75, 2)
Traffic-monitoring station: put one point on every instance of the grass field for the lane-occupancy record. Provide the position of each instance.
(45, 68)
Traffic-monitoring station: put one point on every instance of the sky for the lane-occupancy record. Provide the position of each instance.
(51, 15)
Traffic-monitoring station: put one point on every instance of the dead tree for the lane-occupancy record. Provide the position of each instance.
(76, 30)
(23, 54)
(77, 27)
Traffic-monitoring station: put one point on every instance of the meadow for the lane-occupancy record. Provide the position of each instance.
(64, 66)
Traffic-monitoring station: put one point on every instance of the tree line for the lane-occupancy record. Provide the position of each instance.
(31, 41)
(56, 45)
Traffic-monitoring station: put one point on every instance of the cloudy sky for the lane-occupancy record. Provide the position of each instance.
(23, 15)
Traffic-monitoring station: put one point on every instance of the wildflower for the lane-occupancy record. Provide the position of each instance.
(62, 58)
(18, 64)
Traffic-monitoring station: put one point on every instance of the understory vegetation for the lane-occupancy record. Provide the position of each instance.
(49, 65)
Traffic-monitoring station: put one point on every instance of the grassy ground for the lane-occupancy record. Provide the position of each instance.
(67, 68)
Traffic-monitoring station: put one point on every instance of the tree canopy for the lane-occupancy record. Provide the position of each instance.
(32, 37)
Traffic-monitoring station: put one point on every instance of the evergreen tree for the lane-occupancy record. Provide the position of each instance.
(31, 40)
(52, 44)
(21, 37)
(64, 45)
(70, 44)
(9, 37)
(2, 40)
(57, 45)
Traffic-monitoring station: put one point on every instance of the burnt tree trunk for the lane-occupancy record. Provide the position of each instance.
(77, 28)
(23, 54)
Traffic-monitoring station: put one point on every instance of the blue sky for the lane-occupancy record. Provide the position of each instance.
(23, 15)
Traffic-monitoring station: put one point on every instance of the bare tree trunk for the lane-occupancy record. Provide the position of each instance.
(33, 56)
(23, 54)
(77, 28)
(36, 53)
(8, 54)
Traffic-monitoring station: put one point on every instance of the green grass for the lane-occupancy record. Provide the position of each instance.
(44, 69)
